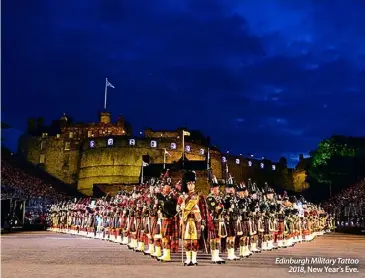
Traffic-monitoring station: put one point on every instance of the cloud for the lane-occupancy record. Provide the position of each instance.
(274, 77)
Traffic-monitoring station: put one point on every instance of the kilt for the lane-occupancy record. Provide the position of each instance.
(266, 226)
(170, 227)
(132, 225)
(145, 224)
(139, 228)
(231, 229)
(214, 230)
(243, 228)
(280, 227)
(123, 222)
(150, 226)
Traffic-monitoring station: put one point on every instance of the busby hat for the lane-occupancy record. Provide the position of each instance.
(241, 187)
(268, 189)
(214, 182)
(252, 188)
(189, 176)
(230, 183)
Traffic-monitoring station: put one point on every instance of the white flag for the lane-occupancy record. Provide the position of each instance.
(144, 164)
(108, 84)
(186, 133)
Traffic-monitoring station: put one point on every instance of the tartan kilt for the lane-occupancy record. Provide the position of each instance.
(170, 228)
(243, 228)
(280, 227)
(214, 230)
(139, 227)
(151, 226)
(132, 225)
(123, 223)
(266, 226)
(145, 225)
(231, 229)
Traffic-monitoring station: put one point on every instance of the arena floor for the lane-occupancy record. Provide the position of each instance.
(48, 254)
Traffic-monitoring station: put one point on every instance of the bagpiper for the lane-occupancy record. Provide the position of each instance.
(243, 225)
(217, 231)
(151, 222)
(231, 218)
(253, 211)
(170, 224)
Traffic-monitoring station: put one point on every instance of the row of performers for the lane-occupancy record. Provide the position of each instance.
(158, 215)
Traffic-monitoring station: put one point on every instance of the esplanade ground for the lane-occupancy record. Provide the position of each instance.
(48, 254)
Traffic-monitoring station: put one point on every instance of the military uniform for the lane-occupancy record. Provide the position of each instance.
(231, 219)
(218, 229)
(151, 221)
(169, 225)
(194, 212)
(243, 225)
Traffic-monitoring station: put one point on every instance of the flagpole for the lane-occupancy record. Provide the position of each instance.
(183, 148)
(208, 158)
(142, 173)
(208, 169)
(105, 92)
(164, 159)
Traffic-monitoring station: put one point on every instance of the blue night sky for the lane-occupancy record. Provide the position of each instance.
(270, 77)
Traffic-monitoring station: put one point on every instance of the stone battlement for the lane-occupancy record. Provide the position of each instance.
(106, 153)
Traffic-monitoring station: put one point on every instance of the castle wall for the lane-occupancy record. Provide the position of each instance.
(149, 133)
(29, 148)
(62, 163)
(56, 160)
(121, 162)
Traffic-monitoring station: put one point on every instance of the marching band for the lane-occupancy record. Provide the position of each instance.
(158, 218)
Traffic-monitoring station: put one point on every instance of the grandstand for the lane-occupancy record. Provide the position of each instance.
(27, 192)
(349, 208)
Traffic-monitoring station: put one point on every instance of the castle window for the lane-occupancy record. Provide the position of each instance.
(237, 161)
(132, 142)
(70, 134)
(262, 165)
(224, 159)
(187, 148)
(92, 144)
(110, 142)
(89, 133)
(42, 158)
(153, 144)
(201, 151)
(44, 135)
(173, 146)
(250, 164)
(67, 146)
(273, 167)
(42, 145)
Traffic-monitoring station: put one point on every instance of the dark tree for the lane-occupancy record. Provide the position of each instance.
(336, 161)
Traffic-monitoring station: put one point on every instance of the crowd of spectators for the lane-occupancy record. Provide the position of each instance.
(349, 206)
(21, 183)
(26, 185)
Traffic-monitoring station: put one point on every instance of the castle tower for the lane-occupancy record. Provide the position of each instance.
(105, 117)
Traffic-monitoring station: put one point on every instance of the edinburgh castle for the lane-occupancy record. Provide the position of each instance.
(108, 154)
